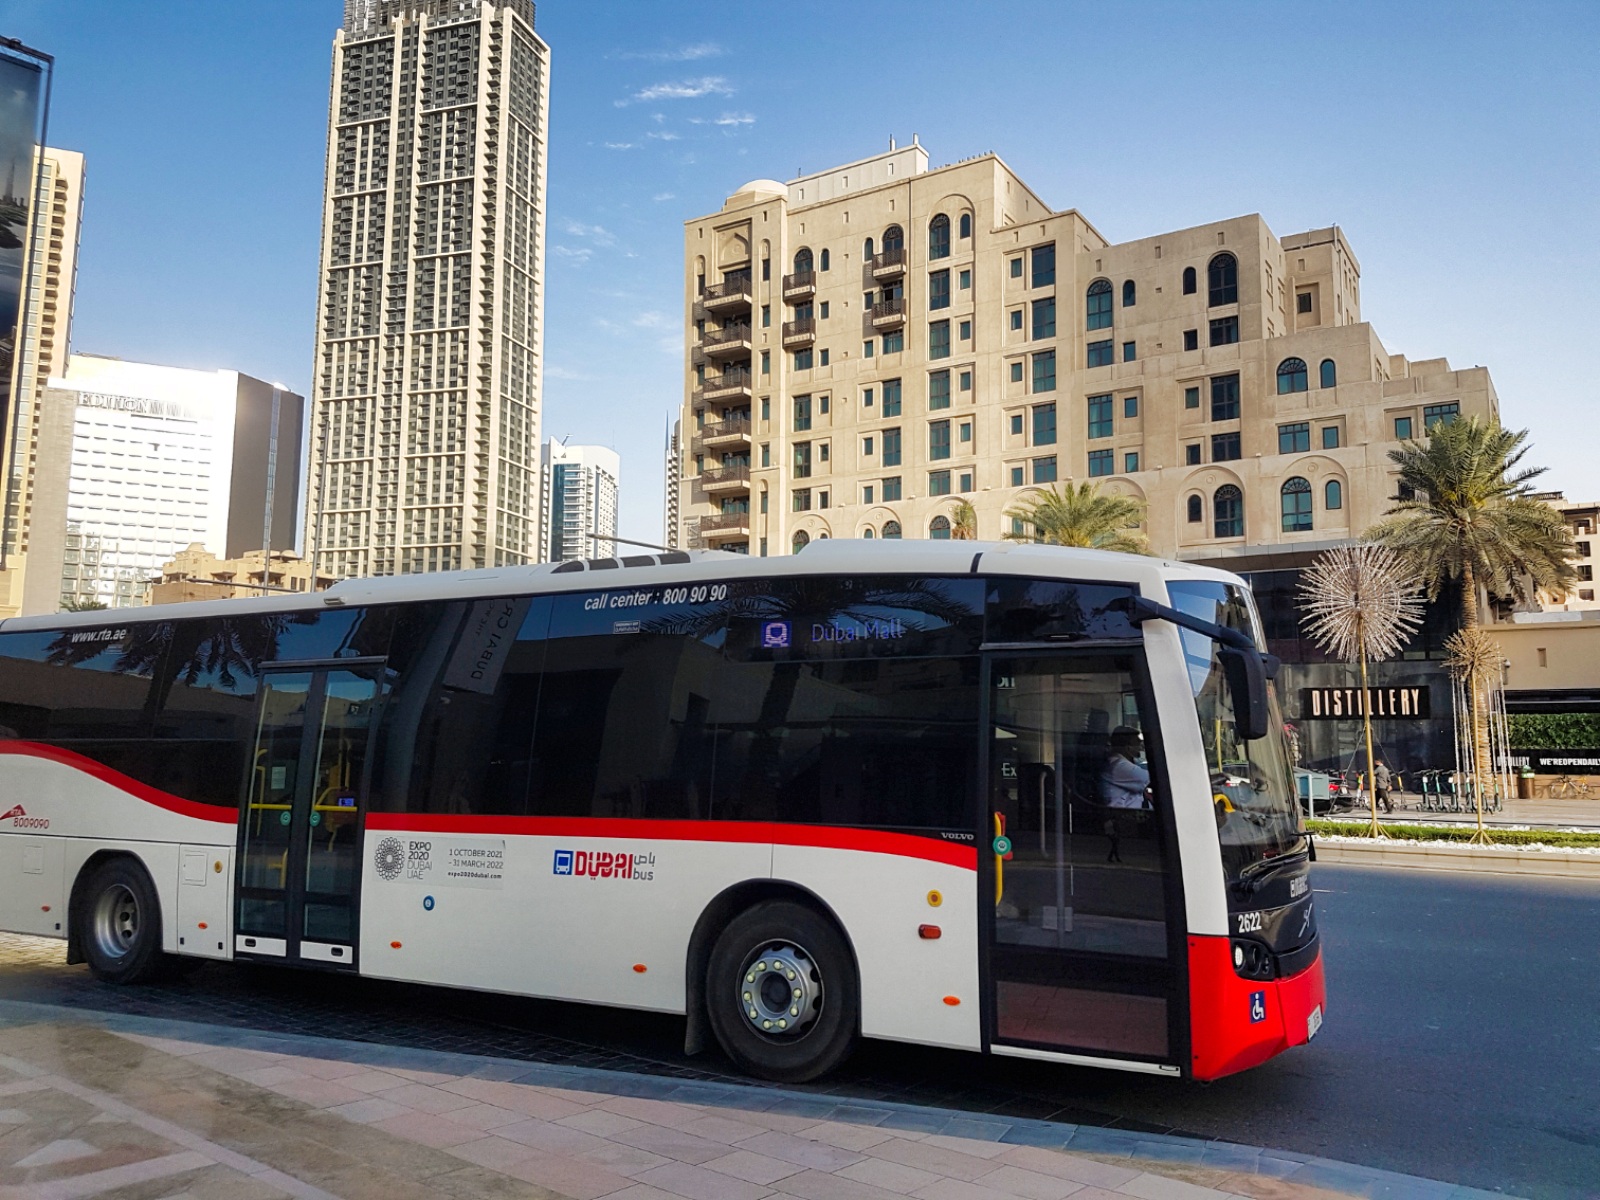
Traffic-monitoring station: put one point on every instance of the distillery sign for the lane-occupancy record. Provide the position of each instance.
(1345, 704)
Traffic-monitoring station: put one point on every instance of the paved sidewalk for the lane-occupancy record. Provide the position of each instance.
(138, 1108)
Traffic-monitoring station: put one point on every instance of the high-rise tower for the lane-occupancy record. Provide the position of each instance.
(425, 427)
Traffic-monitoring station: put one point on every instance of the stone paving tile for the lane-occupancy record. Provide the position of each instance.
(570, 1176)
(368, 1110)
(698, 1183)
(673, 1143)
(1156, 1187)
(487, 1117)
(624, 1160)
(846, 1137)
(643, 1191)
(753, 1167)
(882, 1173)
(1066, 1166)
(372, 1081)
(725, 1129)
(966, 1145)
(426, 1098)
(1031, 1185)
(494, 1152)
(655, 1112)
(951, 1163)
(959, 1189)
(800, 1151)
(599, 1122)
(552, 1138)
(319, 1093)
(427, 1129)
(821, 1185)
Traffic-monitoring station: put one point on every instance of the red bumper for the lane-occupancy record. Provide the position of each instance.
(1237, 1023)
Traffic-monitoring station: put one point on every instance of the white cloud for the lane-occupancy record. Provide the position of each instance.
(684, 89)
(663, 136)
(652, 320)
(579, 254)
(691, 53)
(735, 119)
(597, 234)
(620, 145)
(660, 196)
(554, 372)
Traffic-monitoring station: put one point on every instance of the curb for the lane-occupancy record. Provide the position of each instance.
(1156, 1150)
(1453, 856)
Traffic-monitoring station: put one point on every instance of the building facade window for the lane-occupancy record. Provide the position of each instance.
(1130, 462)
(966, 226)
(803, 359)
(1191, 339)
(1302, 302)
(891, 447)
(1296, 501)
(1097, 305)
(1044, 265)
(1044, 424)
(822, 260)
(1044, 318)
(1016, 372)
(1291, 376)
(1044, 469)
(1016, 423)
(1128, 293)
(1016, 320)
(802, 460)
(802, 261)
(939, 527)
(1016, 476)
(801, 540)
(1222, 280)
(1330, 437)
(867, 251)
(1100, 354)
(1130, 406)
(966, 481)
(1328, 374)
(939, 237)
(938, 483)
(1224, 331)
(966, 331)
(800, 499)
(938, 339)
(1227, 511)
(1191, 454)
(938, 441)
(1099, 416)
(1191, 397)
(964, 280)
(1295, 438)
(1333, 495)
(1196, 510)
(1435, 414)
(1402, 429)
(1130, 351)
(966, 431)
(939, 389)
(1044, 371)
(891, 529)
(894, 238)
(891, 492)
(867, 348)
(802, 413)
(1188, 281)
(1016, 268)
(894, 342)
(1224, 447)
(1100, 463)
(938, 289)
(1225, 398)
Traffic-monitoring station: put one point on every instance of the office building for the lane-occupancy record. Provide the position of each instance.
(44, 330)
(425, 424)
(580, 501)
(672, 485)
(868, 345)
(138, 461)
(195, 573)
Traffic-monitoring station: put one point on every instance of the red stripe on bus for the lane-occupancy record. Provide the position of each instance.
(825, 837)
(124, 783)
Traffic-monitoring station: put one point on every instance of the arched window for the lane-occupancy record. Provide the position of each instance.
(868, 534)
(1329, 374)
(1291, 376)
(966, 226)
(1222, 280)
(1296, 506)
(939, 529)
(823, 265)
(891, 530)
(1099, 305)
(939, 237)
(893, 239)
(801, 540)
(802, 261)
(1188, 281)
(867, 251)
(1197, 510)
(1227, 511)
(1333, 495)
(1129, 294)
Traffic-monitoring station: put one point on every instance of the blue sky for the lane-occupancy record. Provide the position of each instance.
(1458, 145)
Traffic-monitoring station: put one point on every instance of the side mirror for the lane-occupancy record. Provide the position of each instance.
(1247, 686)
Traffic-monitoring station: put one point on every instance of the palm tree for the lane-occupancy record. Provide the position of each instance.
(83, 605)
(1080, 516)
(1465, 515)
(963, 522)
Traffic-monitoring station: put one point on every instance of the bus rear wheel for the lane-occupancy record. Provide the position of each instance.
(118, 919)
(782, 994)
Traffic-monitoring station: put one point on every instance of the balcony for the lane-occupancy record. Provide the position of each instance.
(891, 264)
(731, 384)
(889, 314)
(732, 293)
(800, 285)
(799, 333)
(733, 342)
(725, 527)
(718, 480)
(723, 434)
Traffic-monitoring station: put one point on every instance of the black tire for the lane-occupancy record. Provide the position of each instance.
(782, 936)
(117, 919)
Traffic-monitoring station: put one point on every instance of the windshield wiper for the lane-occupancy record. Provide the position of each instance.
(1252, 877)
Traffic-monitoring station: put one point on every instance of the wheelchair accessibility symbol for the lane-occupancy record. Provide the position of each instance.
(1258, 1007)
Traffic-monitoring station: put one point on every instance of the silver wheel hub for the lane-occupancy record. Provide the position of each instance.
(116, 921)
(780, 990)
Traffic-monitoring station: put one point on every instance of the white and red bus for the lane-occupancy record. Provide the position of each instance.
(1006, 798)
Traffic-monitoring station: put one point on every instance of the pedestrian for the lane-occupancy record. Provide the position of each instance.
(1380, 784)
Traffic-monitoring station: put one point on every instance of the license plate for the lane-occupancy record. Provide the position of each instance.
(1313, 1022)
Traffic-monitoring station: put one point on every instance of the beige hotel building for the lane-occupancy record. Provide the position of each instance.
(868, 345)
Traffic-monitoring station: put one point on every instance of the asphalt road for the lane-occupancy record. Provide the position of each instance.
(1462, 1040)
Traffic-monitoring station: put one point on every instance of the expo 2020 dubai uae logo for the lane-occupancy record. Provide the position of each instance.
(389, 857)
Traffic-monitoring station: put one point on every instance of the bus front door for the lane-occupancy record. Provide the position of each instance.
(1080, 960)
(299, 860)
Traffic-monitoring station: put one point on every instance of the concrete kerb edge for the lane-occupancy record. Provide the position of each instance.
(1093, 1140)
(1457, 856)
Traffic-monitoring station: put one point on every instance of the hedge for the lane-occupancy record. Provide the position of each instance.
(1554, 731)
(1457, 833)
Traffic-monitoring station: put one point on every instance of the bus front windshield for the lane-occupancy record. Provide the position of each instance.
(1252, 782)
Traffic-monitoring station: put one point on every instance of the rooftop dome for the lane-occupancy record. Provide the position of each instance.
(770, 187)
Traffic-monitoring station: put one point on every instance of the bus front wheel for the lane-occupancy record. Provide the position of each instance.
(118, 922)
(782, 993)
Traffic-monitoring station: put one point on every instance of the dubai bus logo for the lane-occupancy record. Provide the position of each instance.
(19, 818)
(605, 864)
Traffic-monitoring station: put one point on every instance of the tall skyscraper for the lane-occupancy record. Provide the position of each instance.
(44, 327)
(673, 481)
(580, 501)
(426, 389)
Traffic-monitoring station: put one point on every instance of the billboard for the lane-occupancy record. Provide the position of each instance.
(24, 99)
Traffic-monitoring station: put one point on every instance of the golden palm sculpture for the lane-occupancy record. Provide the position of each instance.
(1361, 602)
(1474, 658)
